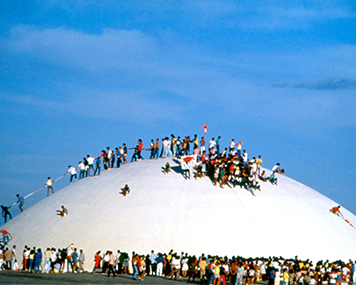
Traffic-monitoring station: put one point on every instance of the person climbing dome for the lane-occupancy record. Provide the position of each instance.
(5, 212)
(49, 185)
(277, 169)
(5, 235)
(336, 211)
(73, 173)
(20, 200)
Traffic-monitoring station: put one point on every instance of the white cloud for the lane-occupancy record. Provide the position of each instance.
(278, 16)
(173, 78)
(112, 49)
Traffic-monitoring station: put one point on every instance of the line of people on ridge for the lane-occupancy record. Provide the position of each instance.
(177, 147)
(229, 167)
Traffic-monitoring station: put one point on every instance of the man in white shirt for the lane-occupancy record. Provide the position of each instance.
(212, 144)
(277, 169)
(81, 167)
(232, 145)
(153, 257)
(245, 155)
(90, 163)
(239, 147)
(109, 152)
(73, 173)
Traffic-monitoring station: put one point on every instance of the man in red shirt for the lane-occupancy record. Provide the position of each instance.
(5, 236)
(336, 211)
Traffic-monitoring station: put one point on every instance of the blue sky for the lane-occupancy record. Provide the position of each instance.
(77, 76)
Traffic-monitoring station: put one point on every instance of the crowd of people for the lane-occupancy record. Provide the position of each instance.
(225, 167)
(230, 166)
(51, 261)
(184, 267)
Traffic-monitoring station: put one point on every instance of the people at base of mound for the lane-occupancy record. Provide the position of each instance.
(221, 270)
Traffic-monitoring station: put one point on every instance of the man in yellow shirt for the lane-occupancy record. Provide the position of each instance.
(202, 266)
(259, 164)
(285, 277)
(49, 185)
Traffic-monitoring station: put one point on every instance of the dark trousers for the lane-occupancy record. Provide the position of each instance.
(111, 269)
(7, 213)
(191, 274)
(154, 268)
(71, 177)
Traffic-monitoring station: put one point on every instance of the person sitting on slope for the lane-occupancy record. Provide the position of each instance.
(167, 168)
(63, 212)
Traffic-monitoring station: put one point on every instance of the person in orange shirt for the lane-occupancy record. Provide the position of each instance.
(5, 235)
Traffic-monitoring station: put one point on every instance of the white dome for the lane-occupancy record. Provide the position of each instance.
(165, 212)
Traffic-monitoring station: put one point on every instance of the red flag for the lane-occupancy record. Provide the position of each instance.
(205, 128)
(188, 158)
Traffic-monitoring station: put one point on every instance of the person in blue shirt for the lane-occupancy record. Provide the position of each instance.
(75, 260)
(20, 200)
(97, 165)
(38, 260)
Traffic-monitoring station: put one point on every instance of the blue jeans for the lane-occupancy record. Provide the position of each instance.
(6, 239)
(135, 271)
(31, 265)
(71, 177)
(69, 261)
(238, 280)
(81, 174)
(37, 265)
(156, 153)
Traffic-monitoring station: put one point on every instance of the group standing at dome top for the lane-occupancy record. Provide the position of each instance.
(229, 166)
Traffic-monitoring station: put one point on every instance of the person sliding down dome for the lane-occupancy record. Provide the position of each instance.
(63, 212)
